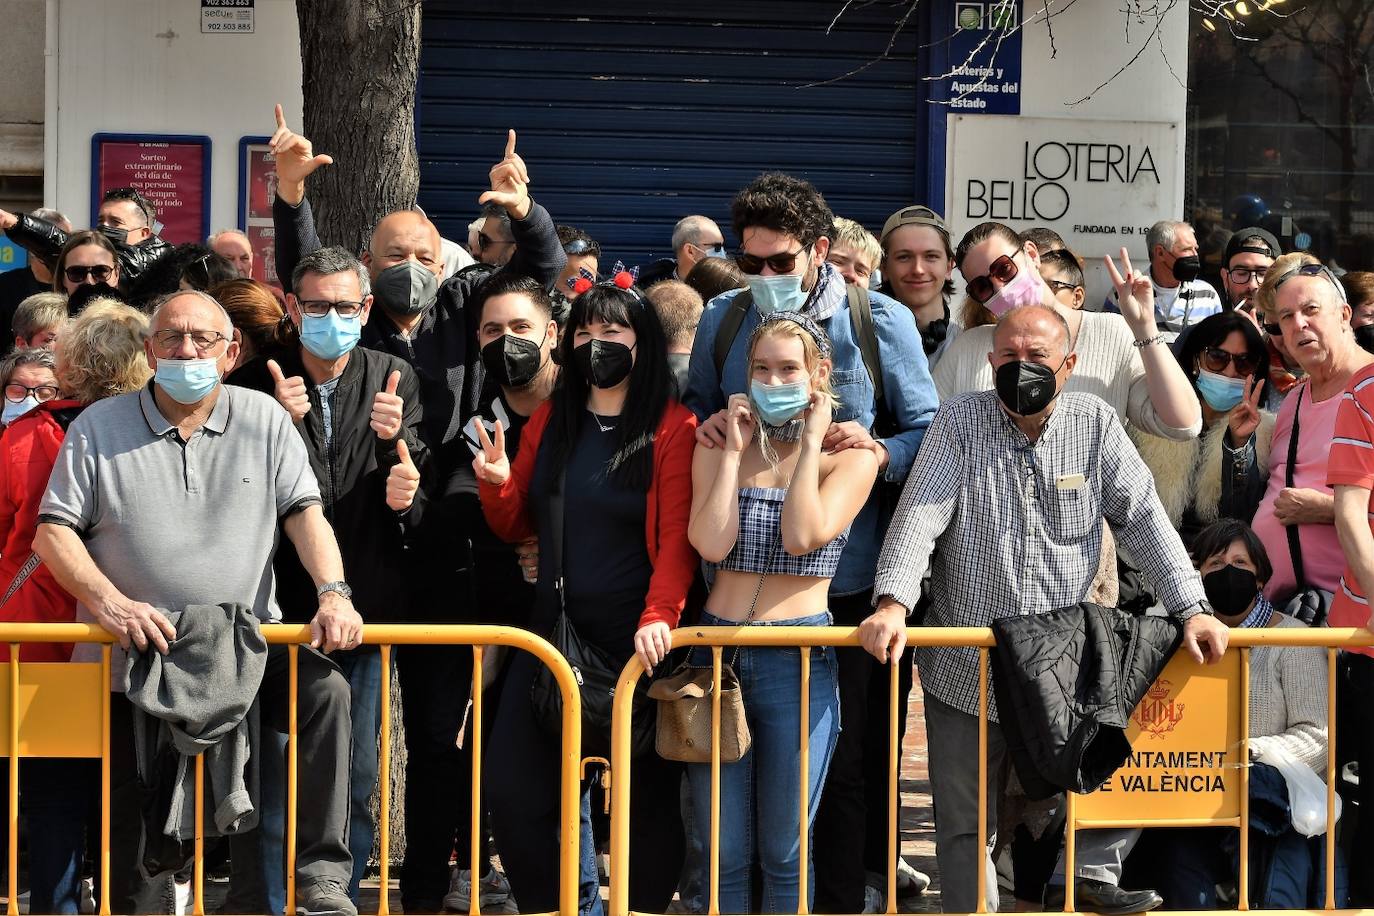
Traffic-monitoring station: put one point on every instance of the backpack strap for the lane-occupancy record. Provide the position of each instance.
(861, 318)
(729, 329)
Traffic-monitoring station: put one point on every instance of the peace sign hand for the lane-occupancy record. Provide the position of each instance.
(1135, 295)
(491, 464)
(1245, 416)
(509, 183)
(296, 161)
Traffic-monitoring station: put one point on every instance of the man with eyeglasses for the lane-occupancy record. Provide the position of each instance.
(358, 412)
(785, 227)
(172, 497)
(695, 237)
(433, 328)
(125, 218)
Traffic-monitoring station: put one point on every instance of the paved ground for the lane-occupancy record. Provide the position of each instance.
(917, 823)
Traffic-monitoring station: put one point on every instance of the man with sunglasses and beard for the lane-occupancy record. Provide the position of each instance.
(432, 327)
(785, 228)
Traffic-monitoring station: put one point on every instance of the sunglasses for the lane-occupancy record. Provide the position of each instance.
(485, 241)
(1215, 359)
(99, 273)
(1304, 270)
(1003, 270)
(1061, 286)
(712, 248)
(781, 263)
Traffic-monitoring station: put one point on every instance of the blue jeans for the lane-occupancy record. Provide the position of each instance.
(363, 669)
(54, 800)
(759, 793)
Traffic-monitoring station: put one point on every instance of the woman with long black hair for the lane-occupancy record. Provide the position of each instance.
(604, 479)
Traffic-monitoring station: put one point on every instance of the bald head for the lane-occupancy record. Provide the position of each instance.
(401, 236)
(234, 246)
(191, 310)
(1037, 324)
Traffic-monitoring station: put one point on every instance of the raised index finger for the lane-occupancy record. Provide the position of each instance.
(510, 143)
(281, 117)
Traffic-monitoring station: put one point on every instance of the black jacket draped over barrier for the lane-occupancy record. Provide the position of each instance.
(1066, 685)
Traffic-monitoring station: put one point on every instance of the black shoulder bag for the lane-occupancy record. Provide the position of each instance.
(595, 669)
(1309, 604)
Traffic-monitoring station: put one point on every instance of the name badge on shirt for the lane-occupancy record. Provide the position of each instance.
(1069, 482)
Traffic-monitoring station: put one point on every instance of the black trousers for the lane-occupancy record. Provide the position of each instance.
(522, 779)
(851, 829)
(1355, 742)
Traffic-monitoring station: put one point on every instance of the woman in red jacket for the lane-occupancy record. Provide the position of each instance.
(619, 449)
(98, 355)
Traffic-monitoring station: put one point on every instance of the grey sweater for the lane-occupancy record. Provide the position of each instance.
(199, 699)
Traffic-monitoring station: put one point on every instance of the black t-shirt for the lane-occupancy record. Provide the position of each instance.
(606, 566)
(15, 286)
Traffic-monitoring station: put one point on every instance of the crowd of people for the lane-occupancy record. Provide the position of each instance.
(802, 428)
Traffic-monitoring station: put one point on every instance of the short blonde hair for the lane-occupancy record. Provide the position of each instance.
(37, 312)
(100, 354)
(853, 235)
(1282, 265)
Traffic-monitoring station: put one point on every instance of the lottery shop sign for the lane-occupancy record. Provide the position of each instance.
(1185, 750)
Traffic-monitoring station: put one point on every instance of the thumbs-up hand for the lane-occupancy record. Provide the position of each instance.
(491, 464)
(296, 161)
(387, 409)
(509, 183)
(290, 392)
(403, 481)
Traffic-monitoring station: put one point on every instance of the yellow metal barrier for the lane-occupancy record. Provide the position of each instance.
(1242, 641)
(63, 710)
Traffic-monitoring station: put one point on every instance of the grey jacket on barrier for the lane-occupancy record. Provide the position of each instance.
(199, 699)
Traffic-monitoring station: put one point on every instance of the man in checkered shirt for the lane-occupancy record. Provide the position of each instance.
(1008, 493)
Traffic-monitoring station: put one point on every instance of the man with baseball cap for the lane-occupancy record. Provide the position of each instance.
(918, 264)
(1248, 255)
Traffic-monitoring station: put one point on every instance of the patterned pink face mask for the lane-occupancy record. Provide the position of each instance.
(1023, 289)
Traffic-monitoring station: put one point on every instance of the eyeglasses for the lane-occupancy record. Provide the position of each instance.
(1246, 274)
(99, 273)
(781, 263)
(485, 241)
(203, 341)
(16, 393)
(1003, 270)
(318, 308)
(1215, 359)
(711, 247)
(1061, 286)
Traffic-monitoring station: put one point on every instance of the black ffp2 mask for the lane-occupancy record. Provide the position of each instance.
(512, 361)
(604, 363)
(1025, 388)
(1187, 268)
(1230, 589)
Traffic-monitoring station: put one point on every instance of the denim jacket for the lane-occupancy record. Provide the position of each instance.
(909, 396)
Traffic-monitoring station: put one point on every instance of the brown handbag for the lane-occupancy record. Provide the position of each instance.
(684, 709)
(684, 716)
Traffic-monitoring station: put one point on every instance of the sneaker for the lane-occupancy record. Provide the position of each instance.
(873, 900)
(492, 891)
(910, 882)
(182, 893)
(324, 897)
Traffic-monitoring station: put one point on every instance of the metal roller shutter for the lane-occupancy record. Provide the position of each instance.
(634, 115)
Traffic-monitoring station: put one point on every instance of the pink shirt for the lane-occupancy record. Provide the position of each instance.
(1322, 558)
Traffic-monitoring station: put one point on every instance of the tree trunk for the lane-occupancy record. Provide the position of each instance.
(360, 62)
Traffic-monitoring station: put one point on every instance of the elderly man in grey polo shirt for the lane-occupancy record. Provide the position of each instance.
(172, 497)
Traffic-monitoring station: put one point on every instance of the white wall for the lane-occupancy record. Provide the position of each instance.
(143, 66)
(1093, 40)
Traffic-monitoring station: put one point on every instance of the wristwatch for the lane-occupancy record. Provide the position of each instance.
(340, 586)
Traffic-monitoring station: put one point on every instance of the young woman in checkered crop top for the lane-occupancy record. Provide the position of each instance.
(770, 513)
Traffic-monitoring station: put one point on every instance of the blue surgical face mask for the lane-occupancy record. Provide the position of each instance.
(776, 404)
(776, 293)
(187, 381)
(330, 336)
(14, 411)
(1220, 392)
